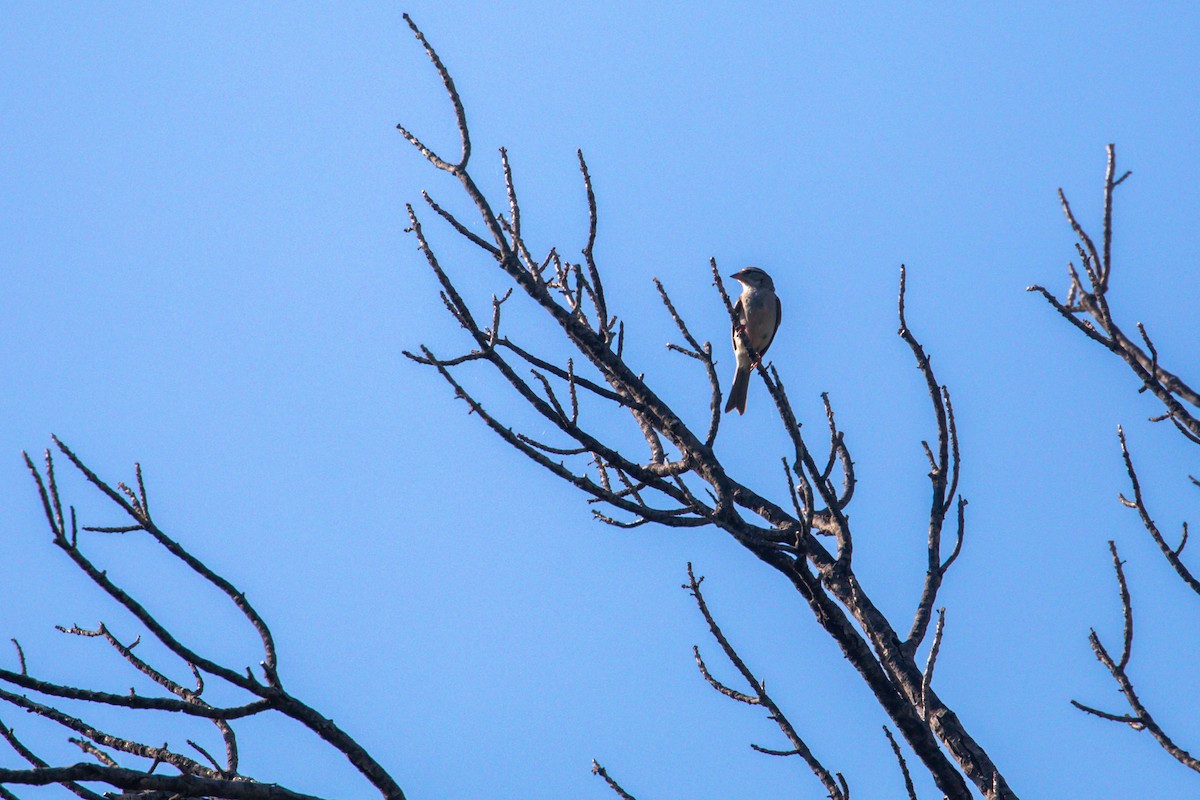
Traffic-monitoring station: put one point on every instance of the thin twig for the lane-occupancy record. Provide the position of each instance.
(931, 662)
(612, 784)
(760, 694)
(908, 783)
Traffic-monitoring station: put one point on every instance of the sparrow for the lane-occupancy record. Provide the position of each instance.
(758, 312)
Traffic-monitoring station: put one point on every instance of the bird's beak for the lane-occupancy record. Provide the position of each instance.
(735, 275)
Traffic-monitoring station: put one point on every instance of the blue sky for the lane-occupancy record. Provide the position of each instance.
(207, 271)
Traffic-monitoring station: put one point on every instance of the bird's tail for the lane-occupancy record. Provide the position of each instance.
(737, 393)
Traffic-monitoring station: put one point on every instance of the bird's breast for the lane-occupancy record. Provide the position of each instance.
(761, 309)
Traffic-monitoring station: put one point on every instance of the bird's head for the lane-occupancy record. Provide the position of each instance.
(754, 278)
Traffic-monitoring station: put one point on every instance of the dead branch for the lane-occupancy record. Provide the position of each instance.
(1141, 718)
(760, 696)
(908, 783)
(180, 785)
(267, 694)
(943, 476)
(612, 784)
(1172, 554)
(1087, 308)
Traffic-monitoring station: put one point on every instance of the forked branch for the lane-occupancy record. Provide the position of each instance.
(195, 778)
(1140, 718)
(1087, 308)
(836, 787)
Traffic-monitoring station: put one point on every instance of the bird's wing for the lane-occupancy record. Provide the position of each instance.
(740, 313)
(778, 319)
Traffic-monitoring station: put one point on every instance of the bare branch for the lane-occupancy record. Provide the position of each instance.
(1091, 260)
(958, 536)
(101, 579)
(943, 477)
(1109, 184)
(955, 456)
(462, 229)
(1141, 719)
(931, 662)
(1068, 314)
(1102, 327)
(603, 322)
(513, 225)
(21, 653)
(720, 687)
(1127, 719)
(761, 697)
(190, 708)
(271, 693)
(1126, 606)
(197, 566)
(180, 762)
(40, 765)
(94, 751)
(612, 784)
(560, 451)
(1171, 554)
(207, 755)
(594, 388)
(908, 783)
(768, 751)
(704, 355)
(181, 785)
(460, 113)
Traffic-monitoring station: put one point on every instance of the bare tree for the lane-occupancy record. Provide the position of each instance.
(678, 480)
(596, 402)
(1087, 308)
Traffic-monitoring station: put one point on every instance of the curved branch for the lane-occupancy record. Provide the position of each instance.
(460, 113)
(908, 783)
(1171, 554)
(943, 473)
(1141, 719)
(760, 697)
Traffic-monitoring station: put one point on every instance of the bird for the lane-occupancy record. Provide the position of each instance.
(758, 312)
